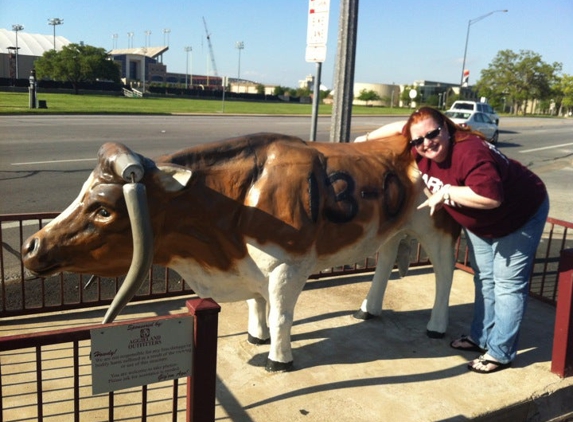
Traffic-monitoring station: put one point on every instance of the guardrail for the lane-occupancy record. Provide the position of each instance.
(43, 375)
(23, 294)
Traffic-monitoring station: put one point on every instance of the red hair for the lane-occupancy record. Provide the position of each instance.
(457, 133)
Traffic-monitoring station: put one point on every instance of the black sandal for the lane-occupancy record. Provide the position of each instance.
(473, 348)
(498, 366)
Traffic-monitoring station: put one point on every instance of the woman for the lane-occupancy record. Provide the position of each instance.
(502, 207)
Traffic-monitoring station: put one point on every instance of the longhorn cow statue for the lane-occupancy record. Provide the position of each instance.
(249, 218)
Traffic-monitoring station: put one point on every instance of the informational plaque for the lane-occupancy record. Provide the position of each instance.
(131, 355)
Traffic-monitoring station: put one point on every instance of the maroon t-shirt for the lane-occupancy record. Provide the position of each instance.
(481, 166)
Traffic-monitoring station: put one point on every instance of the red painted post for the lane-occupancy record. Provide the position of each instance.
(562, 359)
(201, 385)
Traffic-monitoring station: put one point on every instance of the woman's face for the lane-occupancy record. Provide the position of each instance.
(430, 142)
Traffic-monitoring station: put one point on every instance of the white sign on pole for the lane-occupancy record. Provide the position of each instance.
(142, 353)
(317, 30)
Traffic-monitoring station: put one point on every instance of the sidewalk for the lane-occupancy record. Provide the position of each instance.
(384, 369)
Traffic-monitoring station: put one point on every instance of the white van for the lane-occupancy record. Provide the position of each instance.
(476, 106)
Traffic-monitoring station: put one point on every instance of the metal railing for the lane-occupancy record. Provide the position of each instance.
(23, 294)
(46, 376)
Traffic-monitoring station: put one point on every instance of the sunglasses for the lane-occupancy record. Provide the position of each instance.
(430, 135)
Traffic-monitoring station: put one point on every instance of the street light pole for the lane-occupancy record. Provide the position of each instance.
(130, 40)
(17, 27)
(166, 32)
(470, 23)
(239, 45)
(147, 37)
(54, 22)
(188, 50)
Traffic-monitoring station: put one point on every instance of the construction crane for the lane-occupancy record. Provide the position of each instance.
(210, 49)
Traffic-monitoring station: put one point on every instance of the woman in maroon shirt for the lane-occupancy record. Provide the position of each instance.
(502, 206)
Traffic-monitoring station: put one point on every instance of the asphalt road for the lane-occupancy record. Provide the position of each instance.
(44, 160)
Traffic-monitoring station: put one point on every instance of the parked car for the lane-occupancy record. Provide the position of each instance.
(476, 106)
(476, 120)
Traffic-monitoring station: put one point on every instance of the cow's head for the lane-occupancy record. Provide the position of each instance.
(107, 230)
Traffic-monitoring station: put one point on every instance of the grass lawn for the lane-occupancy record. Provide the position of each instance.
(17, 103)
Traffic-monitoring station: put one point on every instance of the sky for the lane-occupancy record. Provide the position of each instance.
(397, 41)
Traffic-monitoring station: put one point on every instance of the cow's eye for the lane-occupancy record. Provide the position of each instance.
(102, 212)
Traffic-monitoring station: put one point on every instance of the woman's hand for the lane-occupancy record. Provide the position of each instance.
(437, 200)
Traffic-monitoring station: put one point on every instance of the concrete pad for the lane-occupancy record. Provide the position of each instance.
(385, 369)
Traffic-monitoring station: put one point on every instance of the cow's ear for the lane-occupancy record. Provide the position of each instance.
(173, 178)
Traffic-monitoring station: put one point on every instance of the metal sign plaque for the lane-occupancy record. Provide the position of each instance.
(317, 30)
(141, 353)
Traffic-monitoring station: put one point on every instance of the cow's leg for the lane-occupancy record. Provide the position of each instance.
(372, 305)
(440, 250)
(285, 285)
(258, 332)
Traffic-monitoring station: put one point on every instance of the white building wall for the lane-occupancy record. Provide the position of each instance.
(389, 94)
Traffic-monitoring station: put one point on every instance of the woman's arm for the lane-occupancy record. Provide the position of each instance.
(383, 132)
(458, 196)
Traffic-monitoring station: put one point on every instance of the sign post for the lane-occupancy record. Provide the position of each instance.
(316, 37)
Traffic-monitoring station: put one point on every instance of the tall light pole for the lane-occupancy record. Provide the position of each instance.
(188, 50)
(470, 23)
(114, 37)
(17, 27)
(147, 37)
(54, 22)
(239, 45)
(166, 32)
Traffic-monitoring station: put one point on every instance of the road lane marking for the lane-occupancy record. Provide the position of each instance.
(542, 148)
(31, 163)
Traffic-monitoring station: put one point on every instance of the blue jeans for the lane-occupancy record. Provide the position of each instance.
(502, 269)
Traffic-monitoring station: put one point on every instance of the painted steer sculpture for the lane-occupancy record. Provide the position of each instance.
(248, 218)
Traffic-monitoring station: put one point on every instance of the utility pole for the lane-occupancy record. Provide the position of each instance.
(344, 72)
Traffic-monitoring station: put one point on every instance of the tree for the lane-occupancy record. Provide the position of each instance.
(519, 78)
(77, 63)
(368, 95)
(279, 90)
(303, 92)
(563, 94)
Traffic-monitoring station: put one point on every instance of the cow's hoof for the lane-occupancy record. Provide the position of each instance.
(435, 334)
(360, 314)
(258, 341)
(273, 366)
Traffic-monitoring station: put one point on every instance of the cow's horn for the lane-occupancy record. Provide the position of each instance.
(136, 201)
(128, 166)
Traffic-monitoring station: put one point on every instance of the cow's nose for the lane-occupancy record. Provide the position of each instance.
(31, 247)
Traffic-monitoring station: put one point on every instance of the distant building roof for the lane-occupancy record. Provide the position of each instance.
(30, 44)
(152, 52)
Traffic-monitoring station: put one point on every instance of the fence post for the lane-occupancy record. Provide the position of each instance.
(201, 385)
(562, 359)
